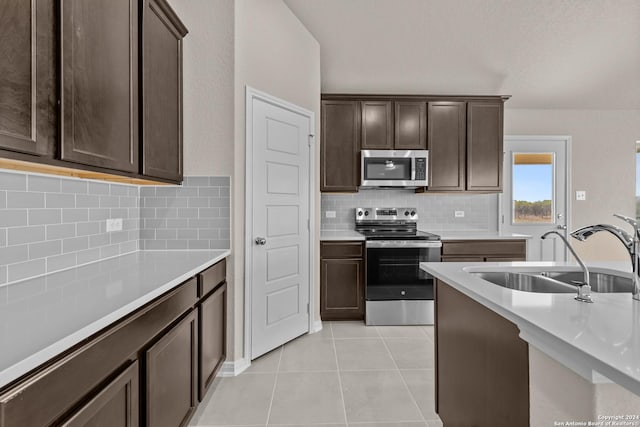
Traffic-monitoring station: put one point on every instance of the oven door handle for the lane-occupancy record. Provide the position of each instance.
(402, 244)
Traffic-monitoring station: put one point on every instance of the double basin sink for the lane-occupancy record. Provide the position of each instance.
(553, 281)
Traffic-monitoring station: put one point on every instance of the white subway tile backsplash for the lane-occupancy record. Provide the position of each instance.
(436, 211)
(23, 199)
(45, 216)
(13, 181)
(49, 223)
(13, 217)
(43, 183)
(14, 254)
(75, 186)
(27, 269)
(19, 235)
(60, 200)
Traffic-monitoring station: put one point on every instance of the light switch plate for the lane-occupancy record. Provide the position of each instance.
(581, 195)
(330, 214)
(114, 224)
(459, 214)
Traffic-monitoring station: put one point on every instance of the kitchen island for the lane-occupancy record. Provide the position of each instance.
(567, 360)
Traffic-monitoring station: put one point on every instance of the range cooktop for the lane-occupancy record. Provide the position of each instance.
(390, 224)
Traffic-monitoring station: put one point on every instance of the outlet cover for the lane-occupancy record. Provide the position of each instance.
(330, 214)
(114, 224)
(581, 195)
(459, 214)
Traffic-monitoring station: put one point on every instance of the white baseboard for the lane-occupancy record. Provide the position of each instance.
(233, 368)
(317, 326)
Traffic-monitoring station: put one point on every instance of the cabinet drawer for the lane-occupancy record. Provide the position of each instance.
(341, 249)
(485, 247)
(58, 387)
(212, 277)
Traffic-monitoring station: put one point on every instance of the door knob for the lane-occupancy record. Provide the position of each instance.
(261, 241)
(561, 227)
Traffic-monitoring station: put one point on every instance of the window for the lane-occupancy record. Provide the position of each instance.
(533, 188)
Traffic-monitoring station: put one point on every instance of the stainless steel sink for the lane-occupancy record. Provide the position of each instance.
(600, 282)
(525, 282)
(550, 281)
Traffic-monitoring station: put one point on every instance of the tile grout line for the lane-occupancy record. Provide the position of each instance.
(275, 383)
(335, 355)
(413, 399)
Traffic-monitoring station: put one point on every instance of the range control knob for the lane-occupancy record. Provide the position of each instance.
(406, 213)
(359, 213)
(366, 213)
(413, 213)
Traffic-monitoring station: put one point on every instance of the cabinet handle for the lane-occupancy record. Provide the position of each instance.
(261, 241)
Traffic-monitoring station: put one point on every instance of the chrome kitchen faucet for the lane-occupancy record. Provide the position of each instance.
(584, 289)
(632, 243)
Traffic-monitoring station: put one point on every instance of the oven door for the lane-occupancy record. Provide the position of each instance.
(393, 269)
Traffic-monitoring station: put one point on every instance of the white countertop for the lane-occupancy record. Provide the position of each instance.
(480, 235)
(42, 317)
(591, 339)
(340, 235)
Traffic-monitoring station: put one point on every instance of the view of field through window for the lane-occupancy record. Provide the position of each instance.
(533, 188)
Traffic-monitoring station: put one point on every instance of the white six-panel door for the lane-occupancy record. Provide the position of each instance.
(280, 229)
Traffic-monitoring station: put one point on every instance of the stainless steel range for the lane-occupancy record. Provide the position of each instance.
(397, 291)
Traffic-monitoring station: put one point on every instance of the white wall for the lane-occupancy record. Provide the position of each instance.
(603, 164)
(274, 53)
(208, 60)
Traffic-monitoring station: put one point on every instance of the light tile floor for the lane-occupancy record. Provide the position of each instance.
(347, 374)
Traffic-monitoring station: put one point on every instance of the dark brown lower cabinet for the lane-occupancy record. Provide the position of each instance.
(212, 314)
(482, 365)
(484, 250)
(171, 376)
(342, 280)
(116, 405)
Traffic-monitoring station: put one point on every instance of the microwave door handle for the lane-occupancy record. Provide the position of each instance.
(413, 168)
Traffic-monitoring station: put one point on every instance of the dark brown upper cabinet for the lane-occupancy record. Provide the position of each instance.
(28, 77)
(410, 130)
(339, 146)
(484, 145)
(99, 66)
(93, 86)
(377, 125)
(447, 151)
(162, 33)
(462, 133)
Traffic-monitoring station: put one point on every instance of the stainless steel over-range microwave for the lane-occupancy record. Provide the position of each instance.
(395, 168)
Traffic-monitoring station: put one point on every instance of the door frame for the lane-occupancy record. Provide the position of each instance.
(566, 139)
(252, 94)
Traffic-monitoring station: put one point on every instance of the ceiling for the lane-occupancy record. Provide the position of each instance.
(582, 54)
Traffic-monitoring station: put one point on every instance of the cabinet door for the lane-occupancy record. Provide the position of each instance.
(341, 289)
(339, 150)
(484, 146)
(482, 366)
(171, 390)
(212, 315)
(162, 34)
(410, 126)
(100, 83)
(27, 76)
(447, 151)
(116, 405)
(377, 125)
